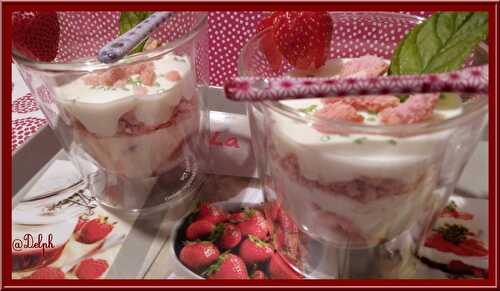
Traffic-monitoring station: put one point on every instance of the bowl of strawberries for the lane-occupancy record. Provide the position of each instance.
(228, 241)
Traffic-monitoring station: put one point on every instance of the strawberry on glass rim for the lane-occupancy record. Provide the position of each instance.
(301, 37)
(35, 34)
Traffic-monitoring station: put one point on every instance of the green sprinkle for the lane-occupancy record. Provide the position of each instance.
(156, 84)
(325, 138)
(360, 140)
(309, 109)
(371, 118)
(372, 112)
(392, 142)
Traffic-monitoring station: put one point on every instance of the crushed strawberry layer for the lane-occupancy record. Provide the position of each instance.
(365, 66)
(362, 189)
(375, 103)
(130, 126)
(118, 76)
(417, 108)
(337, 111)
(469, 247)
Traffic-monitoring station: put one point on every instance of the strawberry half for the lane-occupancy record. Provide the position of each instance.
(303, 37)
(35, 34)
(91, 268)
(267, 43)
(94, 230)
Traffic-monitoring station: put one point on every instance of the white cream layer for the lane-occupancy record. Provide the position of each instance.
(99, 109)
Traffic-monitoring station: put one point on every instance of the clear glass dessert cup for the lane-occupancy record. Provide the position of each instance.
(136, 128)
(355, 203)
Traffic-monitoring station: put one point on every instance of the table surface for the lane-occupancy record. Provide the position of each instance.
(228, 31)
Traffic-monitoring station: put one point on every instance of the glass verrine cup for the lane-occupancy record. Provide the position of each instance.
(349, 203)
(136, 129)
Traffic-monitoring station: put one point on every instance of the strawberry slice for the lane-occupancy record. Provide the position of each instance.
(303, 37)
(35, 34)
(267, 44)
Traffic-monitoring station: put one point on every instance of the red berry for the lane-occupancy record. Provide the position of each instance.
(199, 255)
(231, 237)
(255, 225)
(35, 34)
(228, 266)
(258, 275)
(243, 215)
(198, 229)
(286, 222)
(49, 273)
(267, 43)
(211, 213)
(91, 268)
(254, 250)
(303, 37)
(94, 230)
(279, 269)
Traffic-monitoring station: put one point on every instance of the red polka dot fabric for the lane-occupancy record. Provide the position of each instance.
(226, 34)
(24, 128)
(25, 104)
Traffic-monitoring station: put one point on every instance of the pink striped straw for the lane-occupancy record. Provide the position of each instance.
(473, 80)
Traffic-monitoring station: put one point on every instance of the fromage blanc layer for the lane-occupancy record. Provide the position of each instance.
(99, 108)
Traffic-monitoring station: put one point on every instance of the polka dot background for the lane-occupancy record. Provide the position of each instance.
(23, 128)
(228, 31)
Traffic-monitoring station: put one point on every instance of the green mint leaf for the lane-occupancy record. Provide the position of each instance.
(129, 19)
(441, 43)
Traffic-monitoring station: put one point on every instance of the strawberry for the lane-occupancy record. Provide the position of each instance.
(254, 250)
(91, 268)
(199, 255)
(199, 228)
(279, 269)
(211, 213)
(94, 230)
(228, 266)
(286, 222)
(49, 273)
(35, 34)
(267, 44)
(243, 215)
(258, 275)
(255, 225)
(303, 37)
(231, 237)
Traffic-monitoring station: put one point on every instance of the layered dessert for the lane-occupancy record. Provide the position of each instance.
(365, 188)
(456, 244)
(134, 120)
